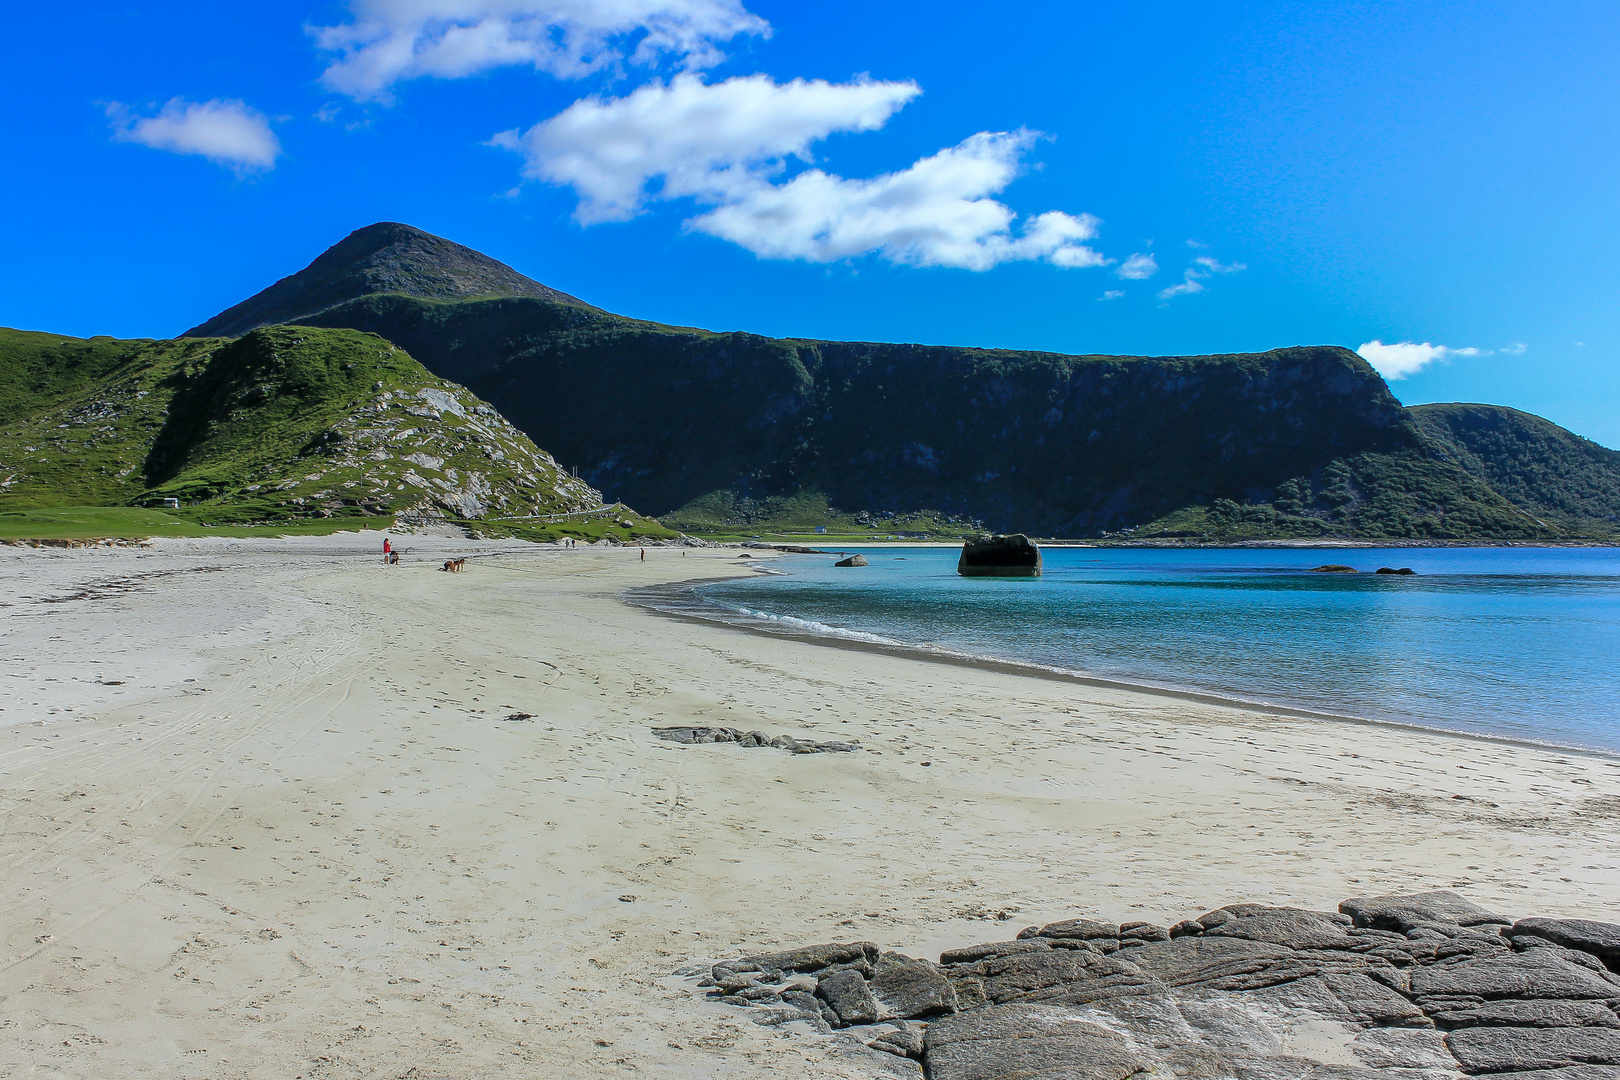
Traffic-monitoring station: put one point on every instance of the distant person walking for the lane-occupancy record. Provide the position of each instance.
(643, 554)
(388, 549)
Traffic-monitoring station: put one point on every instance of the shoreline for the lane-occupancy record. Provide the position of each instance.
(1234, 545)
(711, 613)
(275, 809)
(1334, 543)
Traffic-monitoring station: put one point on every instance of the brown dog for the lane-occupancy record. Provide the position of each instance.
(454, 566)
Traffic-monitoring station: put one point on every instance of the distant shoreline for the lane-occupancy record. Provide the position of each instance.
(1222, 544)
(1336, 543)
(681, 600)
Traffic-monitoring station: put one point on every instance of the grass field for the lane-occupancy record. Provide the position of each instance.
(135, 523)
(723, 517)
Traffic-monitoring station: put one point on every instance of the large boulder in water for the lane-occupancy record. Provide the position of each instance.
(1000, 556)
(853, 560)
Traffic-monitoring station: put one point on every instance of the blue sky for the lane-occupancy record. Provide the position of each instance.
(1143, 179)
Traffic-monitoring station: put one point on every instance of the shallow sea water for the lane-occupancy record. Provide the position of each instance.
(1516, 642)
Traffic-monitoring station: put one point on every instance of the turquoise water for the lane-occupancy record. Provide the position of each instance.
(1516, 642)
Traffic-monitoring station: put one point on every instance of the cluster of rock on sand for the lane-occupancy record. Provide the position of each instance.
(692, 735)
(1416, 987)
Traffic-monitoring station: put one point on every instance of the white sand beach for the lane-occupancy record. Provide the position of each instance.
(263, 815)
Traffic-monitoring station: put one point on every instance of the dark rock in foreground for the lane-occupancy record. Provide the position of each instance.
(1404, 913)
(1000, 556)
(1423, 986)
(1017, 1041)
(849, 996)
(1505, 1049)
(908, 989)
(1600, 939)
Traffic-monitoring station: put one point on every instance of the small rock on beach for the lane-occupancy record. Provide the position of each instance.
(688, 736)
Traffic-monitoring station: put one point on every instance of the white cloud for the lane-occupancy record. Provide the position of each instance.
(722, 145)
(1516, 349)
(1213, 267)
(1399, 359)
(1139, 267)
(1190, 284)
(225, 132)
(704, 142)
(1112, 294)
(392, 40)
(935, 213)
(1193, 278)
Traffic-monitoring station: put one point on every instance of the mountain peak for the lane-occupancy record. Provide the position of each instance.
(387, 257)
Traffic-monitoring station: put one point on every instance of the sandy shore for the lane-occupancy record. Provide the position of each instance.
(263, 815)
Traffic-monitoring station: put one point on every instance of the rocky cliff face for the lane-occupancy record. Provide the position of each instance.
(1294, 442)
(1303, 441)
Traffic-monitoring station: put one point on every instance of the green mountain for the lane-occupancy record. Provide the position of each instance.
(1538, 466)
(706, 428)
(283, 422)
(383, 258)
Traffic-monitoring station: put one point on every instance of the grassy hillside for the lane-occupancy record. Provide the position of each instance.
(1554, 474)
(132, 523)
(383, 258)
(284, 423)
(726, 516)
(725, 432)
(1401, 495)
(711, 430)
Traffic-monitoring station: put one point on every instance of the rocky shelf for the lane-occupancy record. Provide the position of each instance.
(1426, 986)
(688, 736)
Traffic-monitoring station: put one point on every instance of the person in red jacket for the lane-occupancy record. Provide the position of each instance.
(388, 546)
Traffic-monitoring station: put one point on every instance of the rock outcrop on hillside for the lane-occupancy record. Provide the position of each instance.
(1424, 986)
(284, 422)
